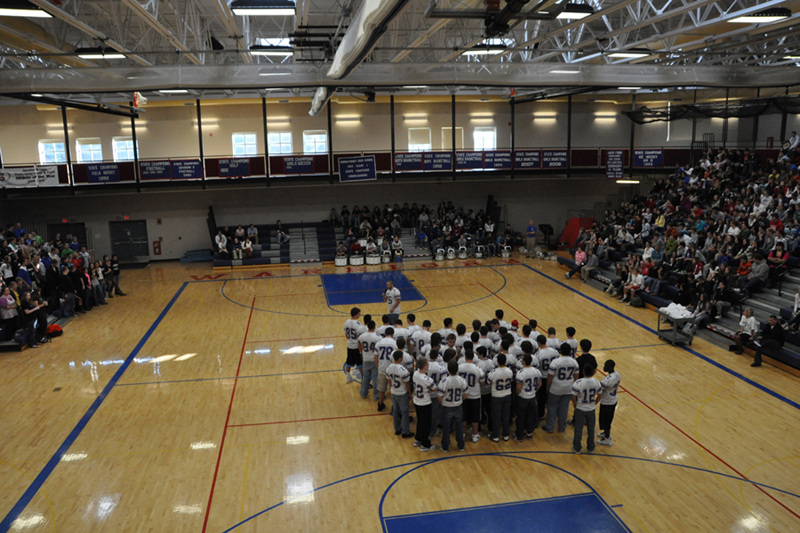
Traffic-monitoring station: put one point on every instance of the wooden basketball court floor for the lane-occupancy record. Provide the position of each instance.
(215, 401)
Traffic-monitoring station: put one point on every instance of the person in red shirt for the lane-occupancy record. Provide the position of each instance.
(776, 224)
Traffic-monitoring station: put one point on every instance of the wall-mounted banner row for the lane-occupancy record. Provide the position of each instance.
(11, 178)
(648, 158)
(493, 159)
(182, 169)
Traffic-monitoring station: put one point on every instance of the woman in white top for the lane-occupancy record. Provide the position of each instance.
(6, 271)
(748, 327)
(794, 322)
(633, 285)
(247, 248)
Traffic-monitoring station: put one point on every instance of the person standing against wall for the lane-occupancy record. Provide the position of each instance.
(530, 243)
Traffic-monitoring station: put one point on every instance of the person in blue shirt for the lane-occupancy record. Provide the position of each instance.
(658, 254)
(75, 246)
(18, 230)
(530, 244)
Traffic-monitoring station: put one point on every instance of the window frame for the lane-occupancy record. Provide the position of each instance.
(281, 143)
(133, 149)
(43, 143)
(79, 150)
(250, 148)
(416, 147)
(484, 129)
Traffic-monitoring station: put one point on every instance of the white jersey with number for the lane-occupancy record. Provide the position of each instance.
(453, 390)
(436, 371)
(487, 366)
(554, 343)
(351, 328)
(401, 333)
(444, 332)
(573, 343)
(408, 361)
(381, 330)
(368, 342)
(586, 391)
(511, 362)
(460, 340)
(422, 385)
(421, 339)
(563, 371)
(530, 378)
(473, 375)
(501, 379)
(392, 296)
(412, 330)
(545, 357)
(397, 376)
(610, 385)
(385, 348)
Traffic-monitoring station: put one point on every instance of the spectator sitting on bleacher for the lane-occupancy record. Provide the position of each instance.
(397, 246)
(252, 234)
(341, 251)
(372, 248)
(247, 248)
(776, 261)
(757, 277)
(632, 286)
(240, 233)
(222, 243)
(236, 248)
(580, 261)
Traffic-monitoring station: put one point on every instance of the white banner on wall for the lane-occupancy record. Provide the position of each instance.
(12, 178)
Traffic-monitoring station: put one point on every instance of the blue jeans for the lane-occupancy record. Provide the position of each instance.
(557, 407)
(369, 376)
(457, 414)
(501, 416)
(400, 412)
(527, 416)
(436, 416)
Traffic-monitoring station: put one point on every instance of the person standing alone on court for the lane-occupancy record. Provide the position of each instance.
(586, 394)
(530, 244)
(392, 298)
(608, 404)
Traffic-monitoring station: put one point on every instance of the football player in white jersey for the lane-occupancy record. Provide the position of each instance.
(608, 403)
(498, 315)
(587, 392)
(562, 374)
(494, 331)
(447, 329)
(385, 350)
(421, 387)
(434, 344)
(353, 361)
(545, 355)
(529, 379)
(436, 371)
(399, 331)
(514, 330)
(392, 298)
(461, 336)
(501, 379)
(408, 361)
(487, 365)
(474, 377)
(553, 341)
(452, 391)
(572, 341)
(385, 324)
(412, 328)
(422, 338)
(363, 329)
(400, 380)
(366, 345)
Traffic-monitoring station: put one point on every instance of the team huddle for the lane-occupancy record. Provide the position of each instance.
(491, 376)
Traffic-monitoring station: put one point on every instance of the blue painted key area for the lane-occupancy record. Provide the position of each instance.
(353, 289)
(580, 512)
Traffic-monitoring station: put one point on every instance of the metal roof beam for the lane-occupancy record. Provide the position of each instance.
(145, 15)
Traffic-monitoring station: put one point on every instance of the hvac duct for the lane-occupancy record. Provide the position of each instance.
(498, 24)
(365, 29)
(321, 97)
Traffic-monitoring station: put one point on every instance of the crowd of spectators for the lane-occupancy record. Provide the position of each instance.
(720, 231)
(444, 227)
(49, 277)
(238, 244)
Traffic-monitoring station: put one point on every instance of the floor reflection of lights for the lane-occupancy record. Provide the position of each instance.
(299, 489)
(203, 445)
(188, 509)
(29, 521)
(101, 507)
(306, 349)
(297, 439)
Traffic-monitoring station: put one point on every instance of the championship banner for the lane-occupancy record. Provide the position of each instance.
(12, 178)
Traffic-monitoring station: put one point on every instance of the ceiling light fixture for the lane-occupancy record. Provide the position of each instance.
(263, 8)
(562, 71)
(626, 54)
(632, 182)
(276, 51)
(23, 8)
(792, 57)
(274, 73)
(628, 88)
(486, 50)
(575, 12)
(173, 91)
(763, 17)
(98, 53)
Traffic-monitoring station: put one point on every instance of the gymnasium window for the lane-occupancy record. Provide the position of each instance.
(447, 138)
(123, 148)
(315, 142)
(52, 152)
(485, 138)
(89, 150)
(244, 144)
(419, 139)
(280, 142)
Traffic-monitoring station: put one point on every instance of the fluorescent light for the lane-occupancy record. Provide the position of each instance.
(36, 95)
(605, 115)
(98, 53)
(628, 88)
(415, 87)
(274, 73)
(282, 51)
(23, 8)
(173, 91)
(628, 181)
(415, 117)
(629, 53)
(486, 50)
(562, 71)
(785, 57)
(348, 119)
(263, 8)
(575, 11)
(763, 17)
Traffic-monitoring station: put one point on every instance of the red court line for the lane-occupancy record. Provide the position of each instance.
(665, 419)
(228, 417)
(307, 420)
(303, 339)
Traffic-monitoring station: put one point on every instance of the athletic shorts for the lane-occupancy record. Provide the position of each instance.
(472, 411)
(353, 357)
(382, 381)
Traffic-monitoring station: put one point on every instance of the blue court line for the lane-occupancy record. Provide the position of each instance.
(618, 505)
(404, 474)
(504, 504)
(37, 483)
(506, 454)
(220, 379)
(685, 348)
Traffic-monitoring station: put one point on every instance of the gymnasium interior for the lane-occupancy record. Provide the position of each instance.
(196, 194)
